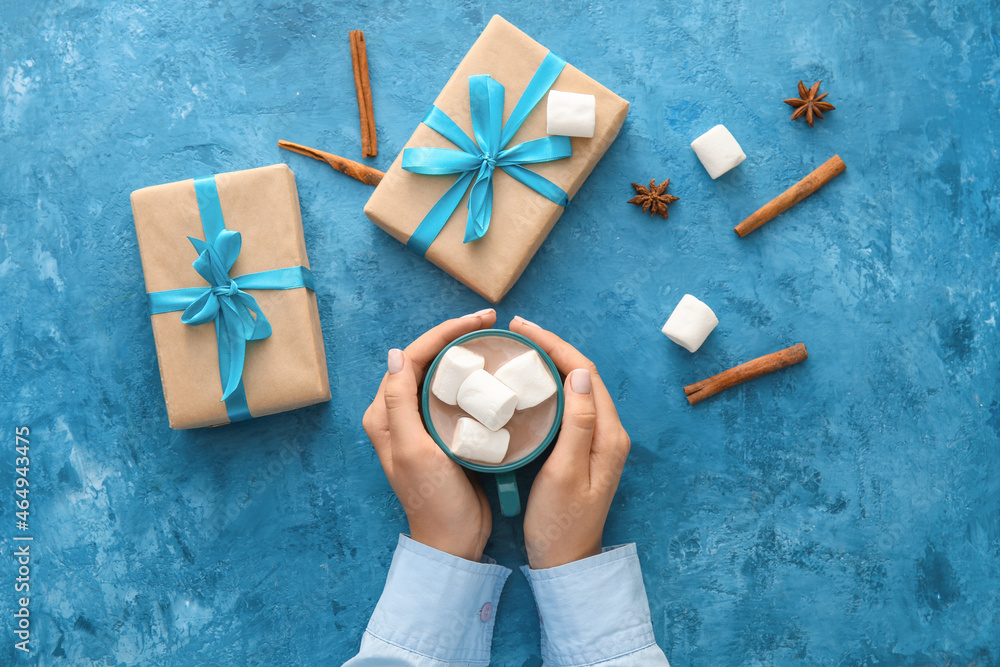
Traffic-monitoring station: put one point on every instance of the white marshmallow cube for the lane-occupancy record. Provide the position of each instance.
(474, 441)
(690, 323)
(529, 377)
(718, 151)
(457, 364)
(487, 399)
(571, 114)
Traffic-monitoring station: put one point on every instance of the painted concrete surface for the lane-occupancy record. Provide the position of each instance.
(842, 512)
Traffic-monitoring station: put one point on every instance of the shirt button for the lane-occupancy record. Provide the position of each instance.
(486, 612)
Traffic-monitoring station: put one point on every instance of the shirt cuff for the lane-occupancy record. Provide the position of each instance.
(592, 609)
(438, 605)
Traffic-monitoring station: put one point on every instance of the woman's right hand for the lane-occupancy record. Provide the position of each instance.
(570, 497)
(445, 505)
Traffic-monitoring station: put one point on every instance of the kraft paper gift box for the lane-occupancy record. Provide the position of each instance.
(283, 371)
(521, 217)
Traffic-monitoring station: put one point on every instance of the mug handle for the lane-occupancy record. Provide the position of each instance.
(510, 502)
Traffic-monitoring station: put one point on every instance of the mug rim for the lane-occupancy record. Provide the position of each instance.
(556, 421)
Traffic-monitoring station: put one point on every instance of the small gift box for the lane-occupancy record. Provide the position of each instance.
(231, 296)
(488, 127)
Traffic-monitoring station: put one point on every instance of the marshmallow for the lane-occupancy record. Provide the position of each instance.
(474, 441)
(456, 365)
(690, 323)
(487, 399)
(529, 377)
(718, 151)
(571, 114)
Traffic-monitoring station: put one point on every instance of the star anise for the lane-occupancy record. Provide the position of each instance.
(809, 104)
(653, 199)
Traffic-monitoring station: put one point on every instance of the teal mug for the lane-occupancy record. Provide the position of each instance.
(531, 430)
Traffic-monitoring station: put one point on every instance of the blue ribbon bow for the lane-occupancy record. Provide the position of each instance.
(237, 316)
(225, 301)
(478, 159)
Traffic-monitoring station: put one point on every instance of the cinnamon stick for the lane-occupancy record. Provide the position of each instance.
(359, 58)
(793, 195)
(362, 172)
(769, 363)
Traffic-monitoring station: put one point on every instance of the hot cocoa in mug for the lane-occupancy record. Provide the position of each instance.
(531, 429)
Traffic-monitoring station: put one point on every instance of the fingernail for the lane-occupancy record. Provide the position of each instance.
(521, 320)
(579, 381)
(396, 361)
(484, 311)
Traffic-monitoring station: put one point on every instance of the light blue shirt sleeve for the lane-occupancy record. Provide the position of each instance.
(595, 611)
(436, 609)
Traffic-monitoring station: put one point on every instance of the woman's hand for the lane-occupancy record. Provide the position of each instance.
(571, 496)
(444, 503)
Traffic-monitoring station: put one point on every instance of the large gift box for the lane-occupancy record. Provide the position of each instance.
(233, 308)
(492, 130)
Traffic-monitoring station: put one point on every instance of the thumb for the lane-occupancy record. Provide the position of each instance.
(572, 450)
(401, 404)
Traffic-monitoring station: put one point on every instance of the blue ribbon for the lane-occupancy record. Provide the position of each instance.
(478, 159)
(237, 316)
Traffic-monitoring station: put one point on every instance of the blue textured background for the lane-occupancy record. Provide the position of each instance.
(843, 512)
